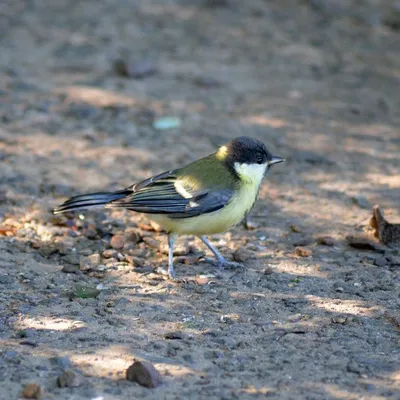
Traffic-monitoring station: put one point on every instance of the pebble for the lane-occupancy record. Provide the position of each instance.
(89, 262)
(117, 242)
(32, 391)
(62, 362)
(268, 270)
(353, 366)
(295, 228)
(129, 68)
(303, 252)
(133, 236)
(70, 269)
(302, 242)
(174, 335)
(326, 241)
(361, 201)
(72, 258)
(70, 378)
(206, 82)
(110, 253)
(241, 255)
(155, 244)
(145, 226)
(144, 373)
(134, 261)
(380, 261)
(250, 225)
(339, 320)
(205, 279)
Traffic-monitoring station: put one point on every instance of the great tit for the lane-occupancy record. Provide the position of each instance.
(208, 196)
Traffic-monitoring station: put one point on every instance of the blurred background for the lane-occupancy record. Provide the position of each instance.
(98, 94)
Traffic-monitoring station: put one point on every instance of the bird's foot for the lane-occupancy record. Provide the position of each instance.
(167, 272)
(222, 263)
(230, 264)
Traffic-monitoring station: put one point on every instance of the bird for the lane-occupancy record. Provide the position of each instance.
(205, 197)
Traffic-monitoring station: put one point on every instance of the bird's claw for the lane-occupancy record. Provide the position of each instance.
(230, 264)
(222, 263)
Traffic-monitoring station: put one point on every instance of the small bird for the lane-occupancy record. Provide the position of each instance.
(208, 196)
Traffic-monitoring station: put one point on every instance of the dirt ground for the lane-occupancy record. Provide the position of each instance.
(317, 81)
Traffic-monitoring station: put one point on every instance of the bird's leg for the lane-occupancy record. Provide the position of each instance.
(221, 261)
(171, 241)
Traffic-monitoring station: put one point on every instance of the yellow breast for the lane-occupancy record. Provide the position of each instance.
(215, 222)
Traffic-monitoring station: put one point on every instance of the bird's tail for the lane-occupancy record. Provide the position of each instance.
(90, 200)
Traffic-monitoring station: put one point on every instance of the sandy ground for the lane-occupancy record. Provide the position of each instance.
(317, 81)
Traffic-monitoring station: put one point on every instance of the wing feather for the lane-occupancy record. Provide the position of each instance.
(159, 195)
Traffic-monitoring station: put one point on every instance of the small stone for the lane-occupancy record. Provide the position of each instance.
(129, 68)
(32, 391)
(110, 253)
(62, 362)
(295, 228)
(47, 251)
(117, 242)
(89, 262)
(361, 201)
(249, 224)
(213, 354)
(305, 241)
(90, 233)
(146, 227)
(206, 82)
(226, 319)
(204, 279)
(268, 270)
(380, 261)
(70, 269)
(72, 258)
(326, 241)
(395, 261)
(85, 292)
(174, 335)
(339, 320)
(136, 262)
(241, 255)
(156, 227)
(303, 252)
(155, 244)
(352, 366)
(144, 373)
(133, 236)
(28, 343)
(70, 378)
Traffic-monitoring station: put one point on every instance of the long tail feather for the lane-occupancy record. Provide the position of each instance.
(90, 200)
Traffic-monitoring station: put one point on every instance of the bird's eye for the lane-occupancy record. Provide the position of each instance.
(259, 159)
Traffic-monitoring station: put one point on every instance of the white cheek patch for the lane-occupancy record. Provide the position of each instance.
(253, 173)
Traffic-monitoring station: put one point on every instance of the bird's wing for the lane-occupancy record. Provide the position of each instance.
(167, 194)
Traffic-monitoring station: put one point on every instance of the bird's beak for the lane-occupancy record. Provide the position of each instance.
(275, 160)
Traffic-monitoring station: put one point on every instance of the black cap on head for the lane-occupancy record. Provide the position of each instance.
(246, 150)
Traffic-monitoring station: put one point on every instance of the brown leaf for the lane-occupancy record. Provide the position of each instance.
(32, 391)
(363, 243)
(385, 232)
(303, 251)
(7, 231)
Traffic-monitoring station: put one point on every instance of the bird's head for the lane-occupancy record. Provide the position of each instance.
(248, 157)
